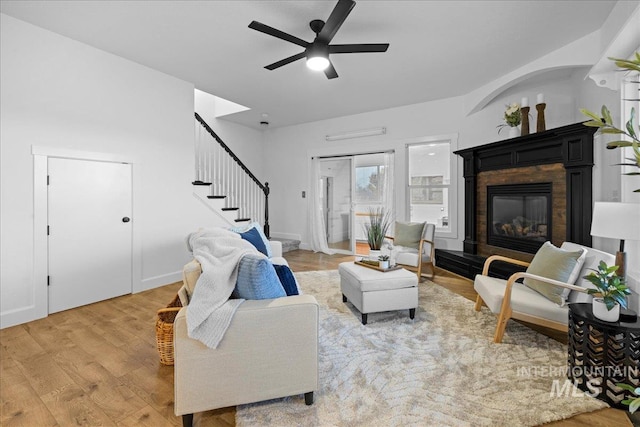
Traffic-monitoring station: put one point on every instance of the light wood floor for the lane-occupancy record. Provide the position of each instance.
(97, 365)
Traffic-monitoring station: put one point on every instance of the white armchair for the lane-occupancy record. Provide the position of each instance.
(269, 351)
(510, 299)
(414, 259)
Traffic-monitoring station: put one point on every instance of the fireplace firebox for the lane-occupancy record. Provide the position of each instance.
(519, 216)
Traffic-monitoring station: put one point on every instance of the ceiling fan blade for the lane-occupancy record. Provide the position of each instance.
(330, 72)
(258, 26)
(336, 19)
(358, 48)
(285, 61)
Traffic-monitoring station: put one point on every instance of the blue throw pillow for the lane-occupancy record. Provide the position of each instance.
(287, 279)
(255, 225)
(253, 236)
(257, 279)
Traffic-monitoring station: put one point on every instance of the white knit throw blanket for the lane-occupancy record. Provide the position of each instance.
(210, 310)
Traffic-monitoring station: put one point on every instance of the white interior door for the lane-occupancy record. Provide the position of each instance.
(90, 232)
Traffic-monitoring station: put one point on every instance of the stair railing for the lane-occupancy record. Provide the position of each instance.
(215, 163)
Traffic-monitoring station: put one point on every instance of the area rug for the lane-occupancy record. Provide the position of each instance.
(441, 368)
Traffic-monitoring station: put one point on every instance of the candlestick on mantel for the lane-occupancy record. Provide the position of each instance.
(524, 102)
(540, 125)
(540, 98)
(524, 128)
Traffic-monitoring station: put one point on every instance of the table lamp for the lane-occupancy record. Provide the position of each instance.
(617, 221)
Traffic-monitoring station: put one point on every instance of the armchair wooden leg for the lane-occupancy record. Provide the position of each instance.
(308, 398)
(419, 273)
(479, 303)
(500, 328)
(187, 420)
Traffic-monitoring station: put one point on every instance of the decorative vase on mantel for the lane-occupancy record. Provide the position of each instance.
(514, 132)
(601, 312)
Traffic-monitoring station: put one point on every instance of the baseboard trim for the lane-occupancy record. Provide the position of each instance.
(157, 281)
(20, 316)
(305, 246)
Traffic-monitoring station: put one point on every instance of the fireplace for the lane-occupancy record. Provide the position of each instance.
(563, 157)
(519, 216)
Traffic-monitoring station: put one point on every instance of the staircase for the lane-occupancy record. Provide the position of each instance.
(224, 184)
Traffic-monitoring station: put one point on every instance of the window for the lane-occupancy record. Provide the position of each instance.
(423, 190)
(370, 183)
(429, 183)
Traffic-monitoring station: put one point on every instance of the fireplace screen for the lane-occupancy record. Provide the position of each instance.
(519, 216)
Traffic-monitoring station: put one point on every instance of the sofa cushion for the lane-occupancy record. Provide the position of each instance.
(255, 225)
(253, 236)
(523, 299)
(257, 279)
(408, 234)
(557, 264)
(287, 279)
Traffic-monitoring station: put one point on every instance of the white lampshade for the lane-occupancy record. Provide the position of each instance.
(616, 220)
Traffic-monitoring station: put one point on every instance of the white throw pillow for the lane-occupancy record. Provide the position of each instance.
(557, 264)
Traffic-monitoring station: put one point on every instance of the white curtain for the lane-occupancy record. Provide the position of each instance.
(388, 190)
(318, 235)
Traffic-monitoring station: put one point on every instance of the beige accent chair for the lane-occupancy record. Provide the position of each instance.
(269, 351)
(510, 299)
(414, 259)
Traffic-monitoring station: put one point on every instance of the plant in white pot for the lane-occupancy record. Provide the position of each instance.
(610, 293)
(376, 230)
(383, 261)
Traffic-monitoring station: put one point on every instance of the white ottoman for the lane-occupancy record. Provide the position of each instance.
(372, 291)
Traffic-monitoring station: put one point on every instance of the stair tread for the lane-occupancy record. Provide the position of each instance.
(242, 219)
(230, 209)
(216, 197)
(200, 183)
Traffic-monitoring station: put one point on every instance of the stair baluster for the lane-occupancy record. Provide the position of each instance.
(215, 163)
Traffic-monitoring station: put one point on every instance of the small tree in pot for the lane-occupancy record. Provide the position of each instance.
(376, 229)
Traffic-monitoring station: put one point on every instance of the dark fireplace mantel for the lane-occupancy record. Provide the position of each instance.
(571, 146)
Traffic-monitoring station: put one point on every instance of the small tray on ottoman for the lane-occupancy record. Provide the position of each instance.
(364, 263)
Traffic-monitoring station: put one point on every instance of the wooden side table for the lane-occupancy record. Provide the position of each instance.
(602, 354)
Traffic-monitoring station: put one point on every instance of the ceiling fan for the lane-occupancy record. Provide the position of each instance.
(317, 52)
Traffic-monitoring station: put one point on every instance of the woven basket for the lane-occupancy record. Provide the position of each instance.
(164, 330)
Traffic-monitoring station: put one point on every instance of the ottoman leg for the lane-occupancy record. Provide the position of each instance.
(412, 313)
(364, 318)
(344, 299)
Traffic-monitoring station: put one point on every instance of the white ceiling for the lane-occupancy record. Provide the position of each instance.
(438, 49)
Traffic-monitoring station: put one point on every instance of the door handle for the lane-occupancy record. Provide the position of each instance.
(126, 219)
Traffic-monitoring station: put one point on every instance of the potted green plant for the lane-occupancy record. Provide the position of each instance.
(376, 229)
(610, 293)
(383, 261)
(512, 119)
(634, 404)
(604, 122)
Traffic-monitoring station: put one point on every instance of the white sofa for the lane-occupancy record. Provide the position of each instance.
(269, 351)
(510, 299)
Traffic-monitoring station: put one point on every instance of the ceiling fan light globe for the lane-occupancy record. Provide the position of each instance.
(317, 63)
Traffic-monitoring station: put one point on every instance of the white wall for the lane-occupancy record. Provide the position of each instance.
(63, 95)
(288, 149)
